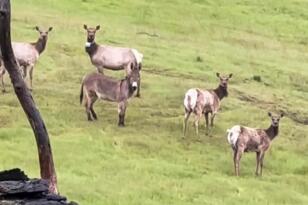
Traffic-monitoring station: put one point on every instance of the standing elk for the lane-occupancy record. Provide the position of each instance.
(200, 102)
(97, 86)
(246, 139)
(112, 58)
(27, 55)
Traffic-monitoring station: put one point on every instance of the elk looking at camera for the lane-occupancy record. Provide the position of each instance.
(110, 57)
(27, 55)
(246, 139)
(205, 102)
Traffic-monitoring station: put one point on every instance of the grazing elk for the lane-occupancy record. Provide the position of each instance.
(113, 58)
(97, 86)
(204, 102)
(246, 139)
(27, 54)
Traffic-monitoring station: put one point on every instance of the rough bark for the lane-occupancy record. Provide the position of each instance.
(47, 168)
(14, 190)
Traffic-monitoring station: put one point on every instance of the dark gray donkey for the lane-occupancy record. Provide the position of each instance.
(96, 86)
(109, 57)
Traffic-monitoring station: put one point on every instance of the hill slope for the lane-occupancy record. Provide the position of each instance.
(147, 162)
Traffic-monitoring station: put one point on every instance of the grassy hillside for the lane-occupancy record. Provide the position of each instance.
(147, 162)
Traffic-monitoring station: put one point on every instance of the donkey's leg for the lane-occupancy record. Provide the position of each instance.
(138, 89)
(88, 103)
(186, 117)
(121, 111)
(91, 108)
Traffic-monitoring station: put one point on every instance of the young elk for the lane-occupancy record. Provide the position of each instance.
(113, 58)
(204, 102)
(246, 139)
(27, 54)
(96, 86)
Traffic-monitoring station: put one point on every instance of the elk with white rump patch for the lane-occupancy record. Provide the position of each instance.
(27, 54)
(246, 139)
(204, 102)
(109, 57)
(97, 86)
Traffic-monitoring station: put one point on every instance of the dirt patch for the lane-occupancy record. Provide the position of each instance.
(301, 118)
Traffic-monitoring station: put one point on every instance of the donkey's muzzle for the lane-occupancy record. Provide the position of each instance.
(135, 85)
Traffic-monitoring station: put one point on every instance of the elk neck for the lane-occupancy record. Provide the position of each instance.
(221, 92)
(91, 48)
(272, 131)
(40, 45)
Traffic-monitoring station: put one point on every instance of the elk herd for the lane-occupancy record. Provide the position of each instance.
(97, 85)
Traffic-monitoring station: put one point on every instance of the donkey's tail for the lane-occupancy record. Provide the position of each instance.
(81, 93)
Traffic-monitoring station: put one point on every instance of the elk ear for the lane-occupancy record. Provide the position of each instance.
(85, 26)
(269, 114)
(218, 75)
(230, 75)
(37, 28)
(98, 27)
(50, 29)
(281, 115)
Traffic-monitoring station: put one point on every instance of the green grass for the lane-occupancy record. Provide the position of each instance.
(147, 162)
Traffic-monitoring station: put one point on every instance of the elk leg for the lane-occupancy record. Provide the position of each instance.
(2, 72)
(258, 163)
(237, 161)
(212, 119)
(261, 162)
(234, 160)
(31, 76)
(121, 112)
(186, 117)
(197, 118)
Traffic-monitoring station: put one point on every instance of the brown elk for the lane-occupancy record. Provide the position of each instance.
(27, 54)
(109, 57)
(97, 86)
(201, 102)
(246, 139)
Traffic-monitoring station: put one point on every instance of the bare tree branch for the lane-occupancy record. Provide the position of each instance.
(25, 98)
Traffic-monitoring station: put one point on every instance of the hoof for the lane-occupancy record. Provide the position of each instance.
(121, 125)
(3, 91)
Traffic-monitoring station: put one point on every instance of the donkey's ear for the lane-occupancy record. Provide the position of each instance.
(269, 114)
(37, 28)
(85, 26)
(281, 115)
(218, 75)
(50, 29)
(98, 27)
(230, 75)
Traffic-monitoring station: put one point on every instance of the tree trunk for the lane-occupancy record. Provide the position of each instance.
(25, 98)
